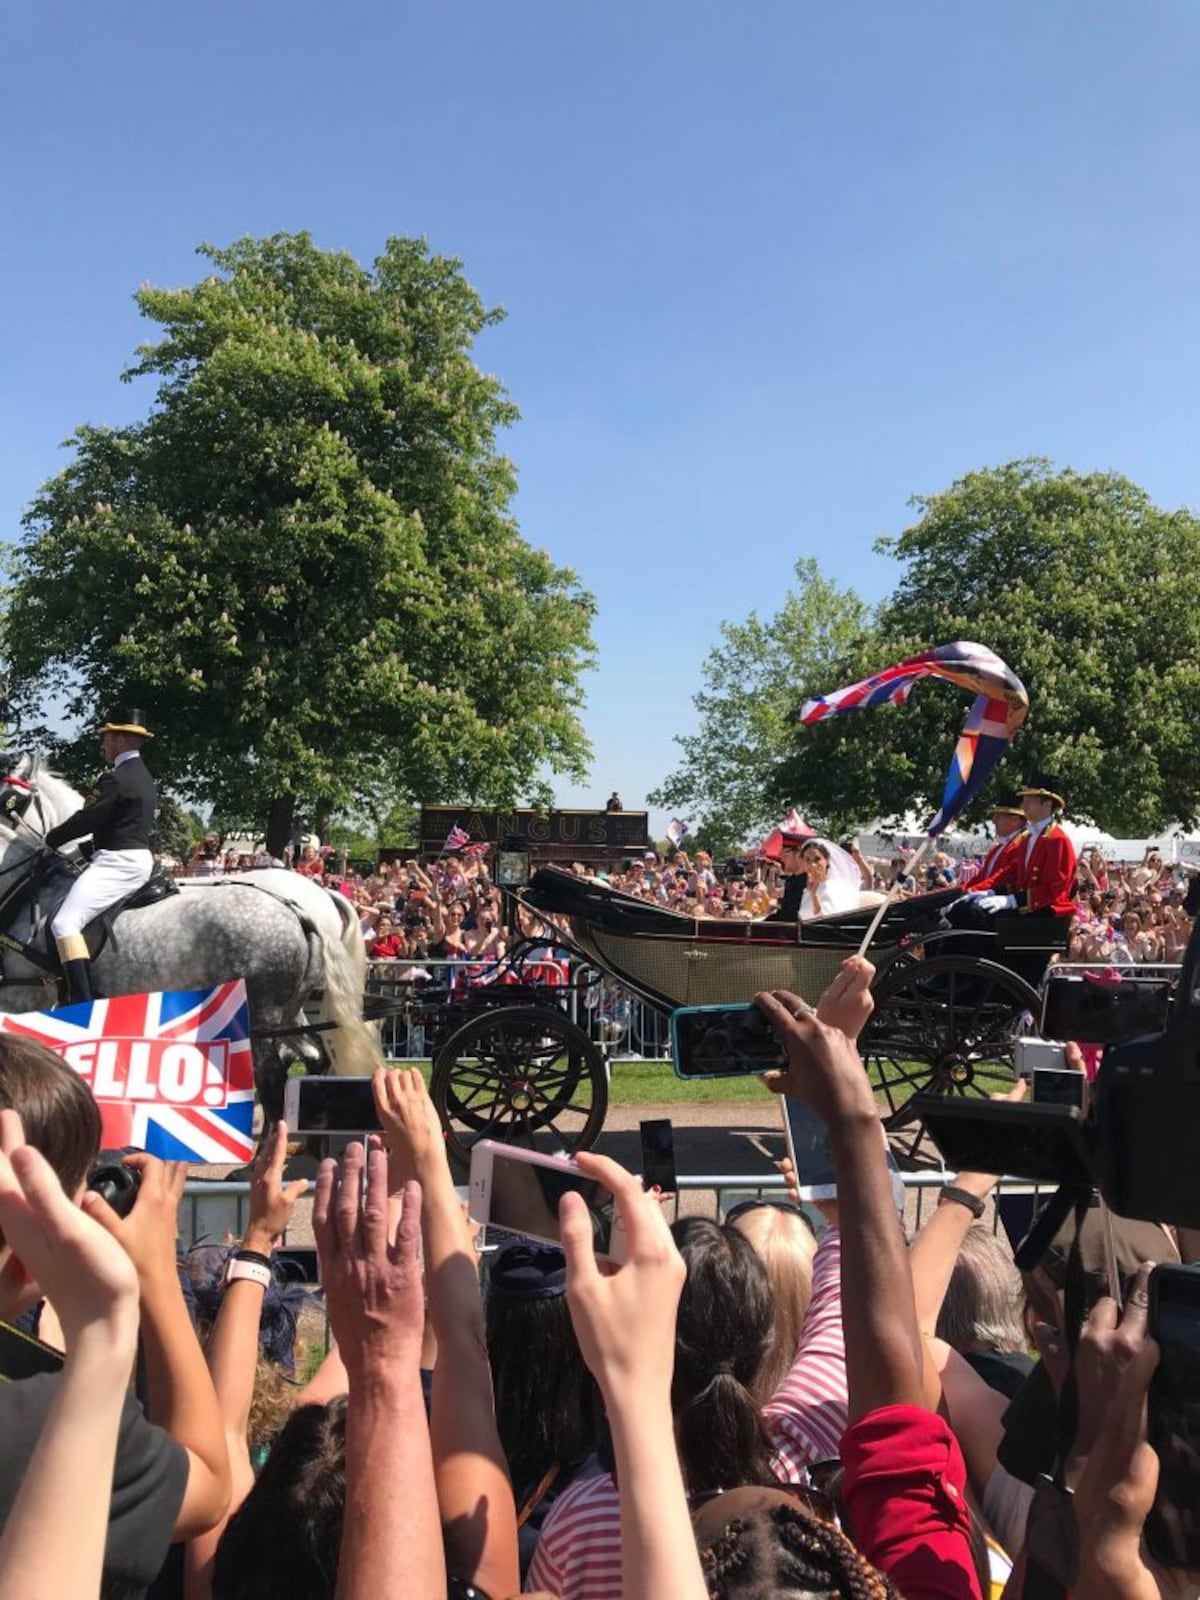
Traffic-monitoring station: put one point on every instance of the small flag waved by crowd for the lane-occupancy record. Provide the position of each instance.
(457, 839)
(998, 710)
(677, 831)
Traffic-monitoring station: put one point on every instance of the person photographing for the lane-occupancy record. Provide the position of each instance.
(119, 816)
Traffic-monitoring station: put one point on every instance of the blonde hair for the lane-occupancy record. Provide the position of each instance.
(786, 1246)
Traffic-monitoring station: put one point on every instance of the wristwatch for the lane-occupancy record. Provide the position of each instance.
(963, 1197)
(250, 1266)
(1052, 1532)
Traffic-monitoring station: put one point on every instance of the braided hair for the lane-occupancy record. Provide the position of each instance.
(788, 1551)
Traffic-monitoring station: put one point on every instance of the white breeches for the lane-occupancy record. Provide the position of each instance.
(109, 877)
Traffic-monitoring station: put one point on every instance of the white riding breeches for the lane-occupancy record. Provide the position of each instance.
(109, 877)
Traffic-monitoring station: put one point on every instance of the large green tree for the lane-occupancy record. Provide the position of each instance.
(754, 681)
(1088, 591)
(303, 562)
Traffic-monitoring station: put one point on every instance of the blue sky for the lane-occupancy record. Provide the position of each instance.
(770, 267)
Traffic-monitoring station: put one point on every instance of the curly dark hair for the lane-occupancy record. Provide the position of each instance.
(785, 1552)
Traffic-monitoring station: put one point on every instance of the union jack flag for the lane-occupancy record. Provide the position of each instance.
(173, 1073)
(997, 711)
(456, 839)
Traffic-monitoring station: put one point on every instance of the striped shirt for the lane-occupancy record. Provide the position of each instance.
(808, 1414)
(579, 1553)
(578, 1556)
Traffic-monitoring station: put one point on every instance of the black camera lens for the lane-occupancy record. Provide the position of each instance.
(115, 1183)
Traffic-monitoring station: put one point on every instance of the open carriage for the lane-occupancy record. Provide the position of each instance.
(949, 1005)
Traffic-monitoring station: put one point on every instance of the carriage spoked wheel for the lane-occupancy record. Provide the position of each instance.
(945, 1025)
(523, 1074)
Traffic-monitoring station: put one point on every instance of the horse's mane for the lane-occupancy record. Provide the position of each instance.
(59, 800)
(55, 801)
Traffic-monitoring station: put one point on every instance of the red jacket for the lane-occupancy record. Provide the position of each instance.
(1046, 882)
(997, 858)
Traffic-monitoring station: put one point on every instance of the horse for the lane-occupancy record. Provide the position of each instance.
(287, 937)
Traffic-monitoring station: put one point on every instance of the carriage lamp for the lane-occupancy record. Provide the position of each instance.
(512, 861)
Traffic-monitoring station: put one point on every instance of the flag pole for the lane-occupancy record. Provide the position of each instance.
(882, 909)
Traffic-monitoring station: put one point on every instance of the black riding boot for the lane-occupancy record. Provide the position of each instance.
(78, 978)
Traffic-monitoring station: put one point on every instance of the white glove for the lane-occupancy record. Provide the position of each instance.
(996, 902)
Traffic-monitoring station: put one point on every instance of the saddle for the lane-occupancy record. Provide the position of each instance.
(40, 947)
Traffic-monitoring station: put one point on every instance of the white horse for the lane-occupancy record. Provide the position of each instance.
(290, 939)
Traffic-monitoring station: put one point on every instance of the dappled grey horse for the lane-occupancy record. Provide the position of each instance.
(290, 939)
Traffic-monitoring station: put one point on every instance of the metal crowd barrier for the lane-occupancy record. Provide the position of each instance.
(210, 1210)
(621, 1023)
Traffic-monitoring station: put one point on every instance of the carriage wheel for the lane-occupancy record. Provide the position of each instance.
(946, 1025)
(523, 1074)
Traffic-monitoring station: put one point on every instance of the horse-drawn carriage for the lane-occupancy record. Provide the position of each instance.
(512, 1063)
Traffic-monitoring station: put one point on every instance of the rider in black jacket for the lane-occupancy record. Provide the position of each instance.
(119, 816)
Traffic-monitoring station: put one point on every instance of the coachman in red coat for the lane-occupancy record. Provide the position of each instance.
(1037, 875)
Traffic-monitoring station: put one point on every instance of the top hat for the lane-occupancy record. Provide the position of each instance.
(1008, 805)
(1044, 787)
(126, 719)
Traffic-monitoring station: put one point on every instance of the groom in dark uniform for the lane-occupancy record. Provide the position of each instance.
(119, 816)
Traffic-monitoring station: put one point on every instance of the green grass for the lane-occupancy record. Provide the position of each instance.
(644, 1083)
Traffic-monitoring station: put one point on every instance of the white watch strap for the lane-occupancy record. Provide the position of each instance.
(251, 1271)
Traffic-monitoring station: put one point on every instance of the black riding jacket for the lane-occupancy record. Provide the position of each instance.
(119, 812)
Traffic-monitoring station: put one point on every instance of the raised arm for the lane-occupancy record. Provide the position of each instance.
(232, 1352)
(374, 1294)
(93, 1288)
(625, 1324)
(475, 1496)
(884, 1362)
(181, 1397)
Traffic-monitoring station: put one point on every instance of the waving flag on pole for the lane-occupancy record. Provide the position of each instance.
(997, 711)
(456, 839)
(677, 831)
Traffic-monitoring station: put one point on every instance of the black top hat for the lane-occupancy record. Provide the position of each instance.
(126, 719)
(1045, 787)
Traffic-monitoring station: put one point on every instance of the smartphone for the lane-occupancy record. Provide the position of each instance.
(1032, 1055)
(1044, 1143)
(329, 1105)
(24, 1356)
(297, 1264)
(518, 1191)
(1055, 1087)
(723, 1042)
(1093, 1011)
(658, 1155)
(1173, 1416)
(807, 1140)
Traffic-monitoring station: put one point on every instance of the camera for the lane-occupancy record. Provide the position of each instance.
(113, 1181)
(1137, 1142)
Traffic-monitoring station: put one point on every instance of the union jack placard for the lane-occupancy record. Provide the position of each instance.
(173, 1073)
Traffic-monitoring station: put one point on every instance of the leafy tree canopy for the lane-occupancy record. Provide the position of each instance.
(1083, 585)
(754, 681)
(302, 563)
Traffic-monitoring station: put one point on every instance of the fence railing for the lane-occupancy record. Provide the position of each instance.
(618, 1021)
(211, 1209)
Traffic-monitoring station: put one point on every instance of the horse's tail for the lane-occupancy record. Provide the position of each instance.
(352, 1044)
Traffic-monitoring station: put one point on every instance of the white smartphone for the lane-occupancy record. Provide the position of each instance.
(807, 1140)
(1038, 1055)
(518, 1191)
(329, 1105)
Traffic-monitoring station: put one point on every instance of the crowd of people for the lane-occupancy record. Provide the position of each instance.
(449, 908)
(738, 1410)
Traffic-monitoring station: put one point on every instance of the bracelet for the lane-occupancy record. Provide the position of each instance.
(963, 1197)
(242, 1254)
